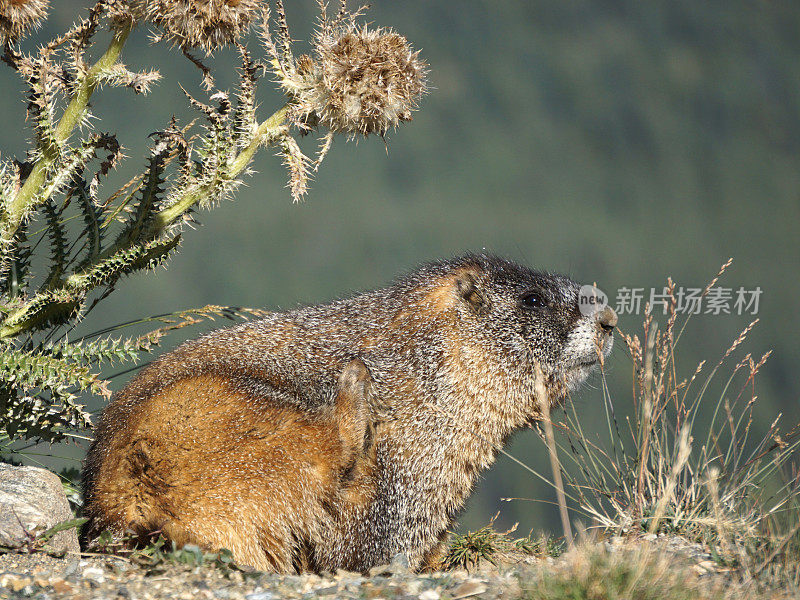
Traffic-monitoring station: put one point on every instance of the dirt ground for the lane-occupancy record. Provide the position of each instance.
(78, 577)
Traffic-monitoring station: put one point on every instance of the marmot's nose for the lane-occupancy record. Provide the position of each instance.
(607, 319)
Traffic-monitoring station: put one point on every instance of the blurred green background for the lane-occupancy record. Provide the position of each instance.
(616, 141)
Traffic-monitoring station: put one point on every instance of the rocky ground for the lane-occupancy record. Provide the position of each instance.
(41, 576)
(35, 576)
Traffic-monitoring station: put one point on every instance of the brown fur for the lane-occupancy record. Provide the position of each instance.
(337, 436)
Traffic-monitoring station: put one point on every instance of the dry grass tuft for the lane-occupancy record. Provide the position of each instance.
(689, 462)
(591, 572)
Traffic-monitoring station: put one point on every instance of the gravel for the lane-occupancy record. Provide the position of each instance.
(41, 576)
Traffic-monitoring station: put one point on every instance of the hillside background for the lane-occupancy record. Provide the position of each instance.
(616, 141)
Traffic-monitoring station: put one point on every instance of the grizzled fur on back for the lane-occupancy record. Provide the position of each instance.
(336, 436)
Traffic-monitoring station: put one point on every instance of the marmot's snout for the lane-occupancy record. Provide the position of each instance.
(607, 319)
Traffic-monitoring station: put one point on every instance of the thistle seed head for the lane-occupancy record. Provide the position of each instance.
(18, 16)
(370, 80)
(360, 81)
(205, 24)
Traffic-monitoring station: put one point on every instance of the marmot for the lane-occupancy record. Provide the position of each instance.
(337, 436)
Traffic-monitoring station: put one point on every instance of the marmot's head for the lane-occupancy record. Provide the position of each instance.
(525, 318)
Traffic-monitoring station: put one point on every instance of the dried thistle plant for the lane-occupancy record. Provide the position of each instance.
(360, 81)
(205, 24)
(368, 81)
(19, 16)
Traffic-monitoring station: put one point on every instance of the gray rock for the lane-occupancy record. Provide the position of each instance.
(94, 573)
(399, 564)
(259, 596)
(32, 501)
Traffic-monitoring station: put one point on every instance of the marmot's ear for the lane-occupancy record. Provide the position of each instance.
(355, 378)
(468, 288)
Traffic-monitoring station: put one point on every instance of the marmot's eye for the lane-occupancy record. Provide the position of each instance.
(533, 300)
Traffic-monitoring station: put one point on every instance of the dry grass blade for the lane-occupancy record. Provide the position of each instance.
(543, 399)
(646, 416)
(684, 450)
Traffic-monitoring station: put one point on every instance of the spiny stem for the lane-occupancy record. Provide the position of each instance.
(27, 195)
(7, 331)
(72, 114)
(266, 134)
